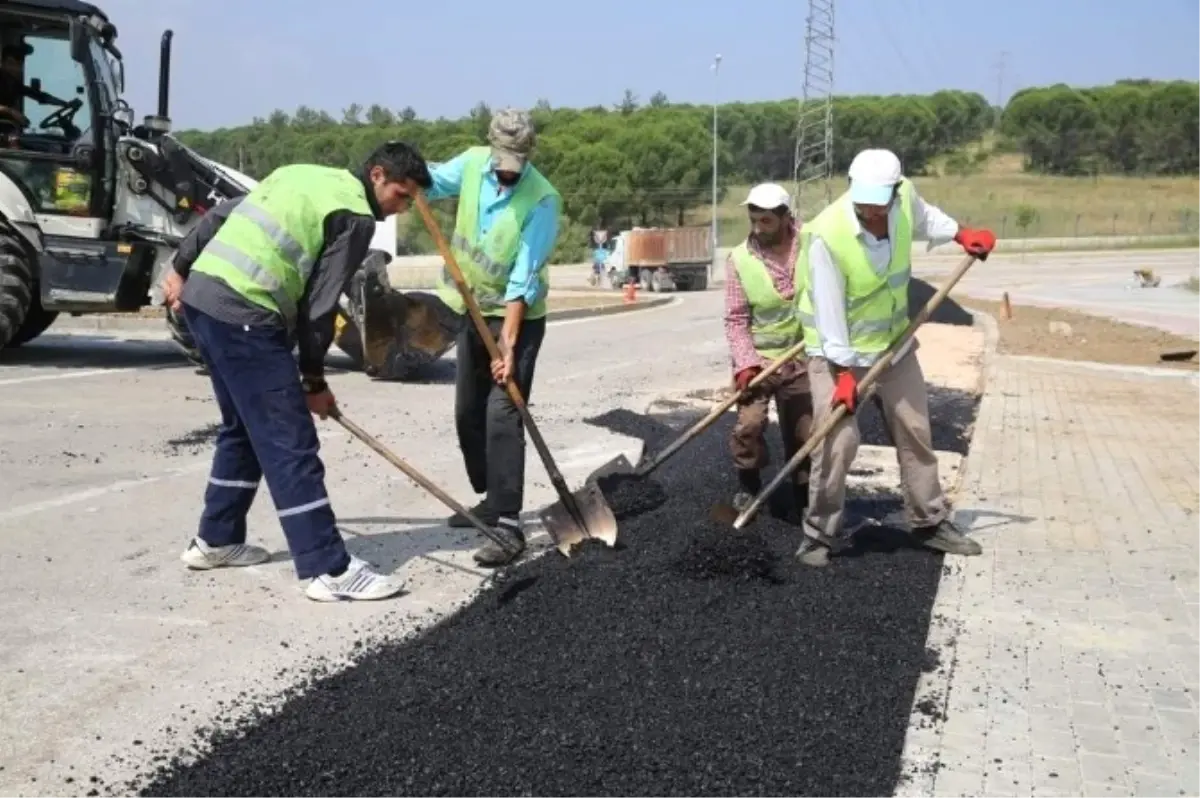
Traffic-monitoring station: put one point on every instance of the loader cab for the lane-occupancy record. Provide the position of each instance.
(67, 88)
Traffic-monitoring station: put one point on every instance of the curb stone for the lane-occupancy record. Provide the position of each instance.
(919, 760)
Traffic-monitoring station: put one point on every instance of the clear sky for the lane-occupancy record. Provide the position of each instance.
(236, 60)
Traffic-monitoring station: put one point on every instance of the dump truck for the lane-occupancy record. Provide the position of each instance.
(93, 205)
(662, 259)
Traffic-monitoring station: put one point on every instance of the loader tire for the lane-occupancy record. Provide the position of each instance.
(37, 321)
(181, 336)
(16, 287)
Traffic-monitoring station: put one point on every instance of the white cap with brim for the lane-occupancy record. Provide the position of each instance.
(768, 196)
(873, 177)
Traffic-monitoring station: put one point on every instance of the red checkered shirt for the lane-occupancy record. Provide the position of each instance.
(737, 306)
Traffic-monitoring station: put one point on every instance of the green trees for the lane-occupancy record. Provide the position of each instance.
(1130, 127)
(648, 163)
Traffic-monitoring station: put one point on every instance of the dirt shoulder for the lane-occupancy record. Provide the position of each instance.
(1069, 335)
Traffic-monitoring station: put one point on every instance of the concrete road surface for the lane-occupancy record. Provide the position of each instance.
(108, 640)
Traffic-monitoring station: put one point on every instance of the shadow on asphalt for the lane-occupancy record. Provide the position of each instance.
(949, 312)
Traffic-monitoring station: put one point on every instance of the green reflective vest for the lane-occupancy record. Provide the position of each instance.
(774, 322)
(268, 246)
(487, 260)
(876, 304)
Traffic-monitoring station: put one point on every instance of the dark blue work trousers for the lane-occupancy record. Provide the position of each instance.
(266, 431)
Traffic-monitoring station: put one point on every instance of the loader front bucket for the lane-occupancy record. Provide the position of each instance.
(392, 334)
(584, 515)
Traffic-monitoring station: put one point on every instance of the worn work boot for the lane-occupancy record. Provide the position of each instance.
(493, 556)
(480, 511)
(813, 553)
(946, 537)
(749, 485)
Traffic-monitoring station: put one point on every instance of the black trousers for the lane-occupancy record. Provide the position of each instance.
(490, 433)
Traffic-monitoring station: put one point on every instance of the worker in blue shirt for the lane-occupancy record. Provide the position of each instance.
(505, 230)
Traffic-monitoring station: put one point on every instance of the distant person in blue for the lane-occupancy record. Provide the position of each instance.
(505, 230)
(599, 254)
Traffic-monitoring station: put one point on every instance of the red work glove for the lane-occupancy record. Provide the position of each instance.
(976, 242)
(845, 391)
(743, 377)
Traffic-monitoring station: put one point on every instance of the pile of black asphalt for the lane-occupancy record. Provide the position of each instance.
(689, 660)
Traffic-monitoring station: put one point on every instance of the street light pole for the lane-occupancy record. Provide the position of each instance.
(716, 68)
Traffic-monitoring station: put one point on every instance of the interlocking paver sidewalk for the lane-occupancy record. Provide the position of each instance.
(1068, 661)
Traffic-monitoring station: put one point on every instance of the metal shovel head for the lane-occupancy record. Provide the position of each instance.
(599, 523)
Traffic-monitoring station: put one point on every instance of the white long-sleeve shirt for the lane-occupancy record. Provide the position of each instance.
(828, 284)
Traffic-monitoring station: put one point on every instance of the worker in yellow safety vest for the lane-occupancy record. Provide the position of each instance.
(505, 230)
(761, 324)
(855, 261)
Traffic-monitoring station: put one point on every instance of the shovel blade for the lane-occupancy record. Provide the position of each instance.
(599, 523)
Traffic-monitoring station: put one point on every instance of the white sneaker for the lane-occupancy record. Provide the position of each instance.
(200, 556)
(360, 582)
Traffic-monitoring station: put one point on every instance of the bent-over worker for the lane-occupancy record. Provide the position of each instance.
(856, 263)
(264, 272)
(504, 233)
(761, 323)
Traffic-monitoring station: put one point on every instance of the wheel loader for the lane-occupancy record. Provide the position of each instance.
(93, 205)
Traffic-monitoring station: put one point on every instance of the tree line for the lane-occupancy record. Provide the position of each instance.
(635, 163)
(1131, 127)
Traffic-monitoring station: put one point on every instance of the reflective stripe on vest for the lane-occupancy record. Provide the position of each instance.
(268, 246)
(486, 261)
(876, 305)
(774, 323)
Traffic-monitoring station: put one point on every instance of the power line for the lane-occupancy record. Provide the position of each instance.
(813, 161)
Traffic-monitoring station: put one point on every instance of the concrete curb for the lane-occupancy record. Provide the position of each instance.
(922, 739)
(139, 323)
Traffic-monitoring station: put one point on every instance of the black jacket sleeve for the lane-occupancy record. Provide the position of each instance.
(347, 241)
(195, 241)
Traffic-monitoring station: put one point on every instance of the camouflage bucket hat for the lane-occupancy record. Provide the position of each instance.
(512, 136)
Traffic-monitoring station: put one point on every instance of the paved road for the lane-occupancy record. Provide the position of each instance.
(111, 636)
(1090, 282)
(107, 634)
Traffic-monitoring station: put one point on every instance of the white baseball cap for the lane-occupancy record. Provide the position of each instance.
(768, 196)
(873, 175)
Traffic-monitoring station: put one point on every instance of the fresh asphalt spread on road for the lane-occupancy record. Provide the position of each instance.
(689, 660)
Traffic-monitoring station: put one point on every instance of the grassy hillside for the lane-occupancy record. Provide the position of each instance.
(1016, 204)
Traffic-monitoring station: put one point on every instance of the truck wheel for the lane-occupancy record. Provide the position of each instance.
(37, 321)
(182, 338)
(699, 283)
(16, 287)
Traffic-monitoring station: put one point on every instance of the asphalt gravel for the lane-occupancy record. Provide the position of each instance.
(688, 660)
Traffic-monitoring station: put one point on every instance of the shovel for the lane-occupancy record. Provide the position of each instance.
(576, 516)
(620, 466)
(419, 478)
(866, 386)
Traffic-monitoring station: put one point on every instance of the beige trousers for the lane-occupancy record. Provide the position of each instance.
(905, 404)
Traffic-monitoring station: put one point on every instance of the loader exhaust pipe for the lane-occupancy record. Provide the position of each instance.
(160, 122)
(164, 74)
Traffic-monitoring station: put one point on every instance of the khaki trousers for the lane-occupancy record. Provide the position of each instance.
(793, 403)
(904, 401)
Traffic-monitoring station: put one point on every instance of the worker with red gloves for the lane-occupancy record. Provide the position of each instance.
(761, 324)
(855, 262)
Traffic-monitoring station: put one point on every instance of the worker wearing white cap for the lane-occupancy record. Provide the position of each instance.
(855, 261)
(761, 323)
